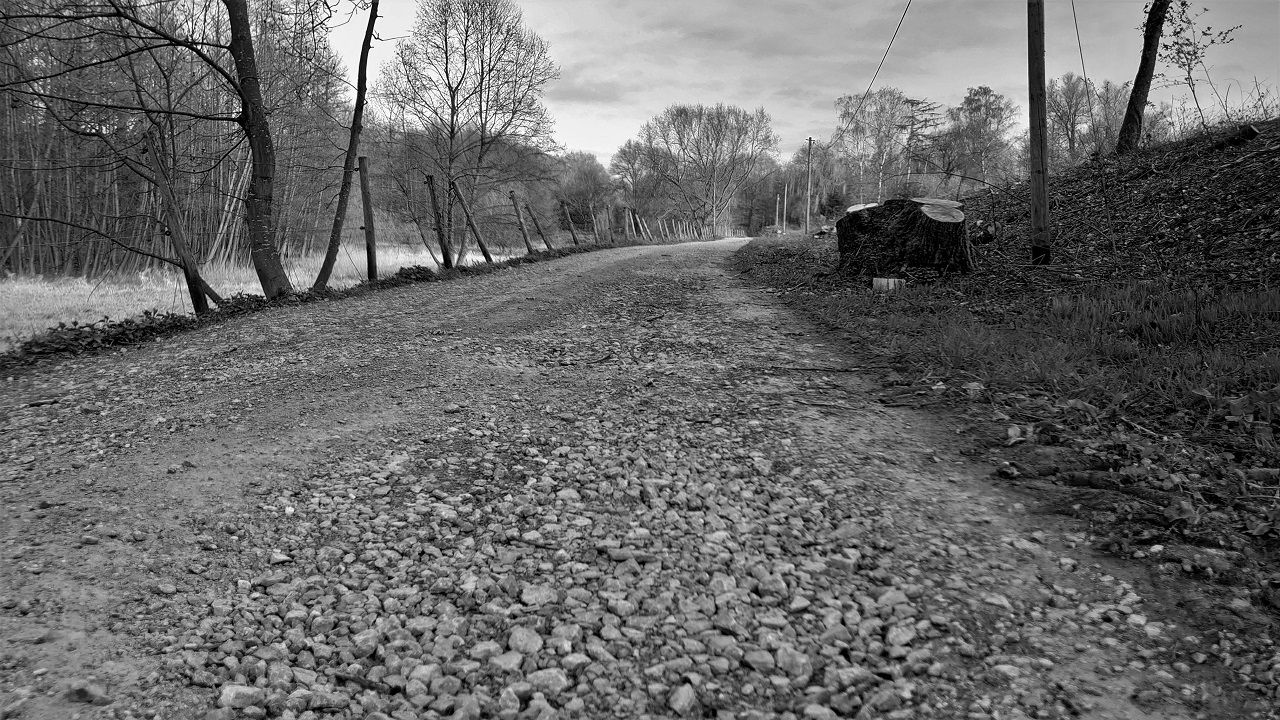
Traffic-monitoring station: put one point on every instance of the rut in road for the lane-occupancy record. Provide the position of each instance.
(612, 486)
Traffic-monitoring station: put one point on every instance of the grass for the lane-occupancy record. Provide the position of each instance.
(29, 305)
(1185, 362)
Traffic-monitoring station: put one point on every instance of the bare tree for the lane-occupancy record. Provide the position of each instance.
(349, 160)
(583, 184)
(1069, 107)
(1109, 105)
(872, 137)
(465, 92)
(1185, 48)
(705, 155)
(981, 124)
(1131, 130)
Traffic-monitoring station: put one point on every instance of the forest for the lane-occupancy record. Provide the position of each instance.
(194, 135)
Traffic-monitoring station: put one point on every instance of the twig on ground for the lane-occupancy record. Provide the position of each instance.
(1138, 427)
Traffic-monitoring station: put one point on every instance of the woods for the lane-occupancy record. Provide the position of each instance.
(91, 90)
(197, 134)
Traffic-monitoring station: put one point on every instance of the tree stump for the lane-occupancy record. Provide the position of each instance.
(918, 233)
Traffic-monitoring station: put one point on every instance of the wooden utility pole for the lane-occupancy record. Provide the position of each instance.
(1040, 241)
(777, 209)
(808, 185)
(370, 240)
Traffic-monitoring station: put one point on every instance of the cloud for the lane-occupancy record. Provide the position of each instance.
(625, 61)
(577, 88)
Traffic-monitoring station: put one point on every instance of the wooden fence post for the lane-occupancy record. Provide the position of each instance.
(370, 239)
(573, 233)
(645, 224)
(537, 226)
(446, 252)
(466, 212)
(524, 231)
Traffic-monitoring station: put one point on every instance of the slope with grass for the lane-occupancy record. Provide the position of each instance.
(1140, 368)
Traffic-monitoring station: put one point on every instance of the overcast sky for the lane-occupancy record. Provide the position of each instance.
(624, 61)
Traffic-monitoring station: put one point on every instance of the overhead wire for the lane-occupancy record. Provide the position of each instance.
(840, 132)
(1093, 122)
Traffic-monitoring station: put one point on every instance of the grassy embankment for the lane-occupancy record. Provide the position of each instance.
(1145, 363)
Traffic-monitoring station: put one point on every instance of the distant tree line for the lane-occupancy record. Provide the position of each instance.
(137, 133)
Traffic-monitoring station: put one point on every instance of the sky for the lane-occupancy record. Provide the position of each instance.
(624, 61)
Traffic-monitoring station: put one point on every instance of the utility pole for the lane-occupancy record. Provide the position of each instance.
(808, 185)
(777, 209)
(1040, 242)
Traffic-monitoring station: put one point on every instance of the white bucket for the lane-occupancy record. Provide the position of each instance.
(886, 284)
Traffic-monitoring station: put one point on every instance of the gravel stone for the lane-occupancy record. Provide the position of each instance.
(538, 595)
(683, 701)
(524, 640)
(549, 681)
(241, 696)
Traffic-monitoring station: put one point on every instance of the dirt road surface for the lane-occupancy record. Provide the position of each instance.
(622, 484)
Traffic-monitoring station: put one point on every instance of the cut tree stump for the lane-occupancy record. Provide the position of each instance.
(899, 234)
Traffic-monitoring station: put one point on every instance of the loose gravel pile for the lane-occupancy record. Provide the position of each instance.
(653, 502)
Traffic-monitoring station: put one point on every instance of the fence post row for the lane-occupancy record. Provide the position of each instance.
(573, 232)
(595, 223)
(524, 231)
(537, 226)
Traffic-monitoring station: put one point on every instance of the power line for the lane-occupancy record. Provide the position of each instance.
(1088, 91)
(1093, 123)
(876, 74)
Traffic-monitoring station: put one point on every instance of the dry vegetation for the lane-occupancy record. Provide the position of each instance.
(30, 305)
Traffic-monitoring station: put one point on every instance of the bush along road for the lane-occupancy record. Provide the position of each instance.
(624, 484)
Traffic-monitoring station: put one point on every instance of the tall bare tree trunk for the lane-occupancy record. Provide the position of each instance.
(349, 162)
(257, 129)
(446, 252)
(1131, 129)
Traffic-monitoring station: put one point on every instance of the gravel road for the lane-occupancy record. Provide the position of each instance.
(623, 484)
